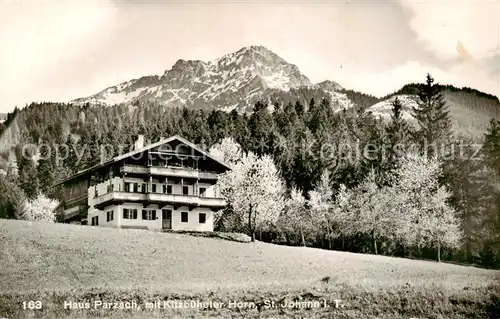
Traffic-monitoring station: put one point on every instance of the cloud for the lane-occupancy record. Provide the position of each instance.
(476, 74)
(442, 25)
(39, 37)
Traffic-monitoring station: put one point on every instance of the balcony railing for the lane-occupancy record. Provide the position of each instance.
(74, 200)
(179, 199)
(73, 212)
(168, 171)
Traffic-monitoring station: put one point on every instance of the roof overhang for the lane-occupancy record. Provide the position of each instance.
(143, 149)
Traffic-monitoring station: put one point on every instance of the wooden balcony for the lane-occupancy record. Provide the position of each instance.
(82, 199)
(74, 213)
(158, 198)
(183, 172)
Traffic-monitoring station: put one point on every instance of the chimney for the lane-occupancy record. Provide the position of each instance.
(139, 143)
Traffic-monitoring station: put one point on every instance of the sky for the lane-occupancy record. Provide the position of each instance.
(61, 50)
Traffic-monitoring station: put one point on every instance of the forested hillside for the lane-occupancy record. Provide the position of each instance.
(322, 152)
(470, 110)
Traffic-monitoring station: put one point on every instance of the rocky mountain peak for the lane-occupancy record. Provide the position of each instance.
(182, 65)
(330, 85)
(234, 81)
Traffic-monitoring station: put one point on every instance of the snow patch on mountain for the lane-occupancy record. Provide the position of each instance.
(341, 100)
(279, 81)
(383, 109)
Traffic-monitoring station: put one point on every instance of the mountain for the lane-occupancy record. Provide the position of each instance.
(3, 118)
(234, 81)
(470, 110)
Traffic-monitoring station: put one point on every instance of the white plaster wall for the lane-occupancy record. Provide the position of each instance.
(150, 224)
(118, 221)
(210, 192)
(193, 219)
(103, 216)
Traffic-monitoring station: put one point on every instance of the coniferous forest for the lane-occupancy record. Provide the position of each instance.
(349, 181)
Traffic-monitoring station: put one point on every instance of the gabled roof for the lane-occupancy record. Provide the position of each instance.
(145, 148)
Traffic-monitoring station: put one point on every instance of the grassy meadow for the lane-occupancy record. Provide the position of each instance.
(58, 263)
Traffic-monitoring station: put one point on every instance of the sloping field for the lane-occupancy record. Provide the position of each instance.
(57, 263)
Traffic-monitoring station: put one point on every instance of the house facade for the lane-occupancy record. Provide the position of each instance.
(169, 185)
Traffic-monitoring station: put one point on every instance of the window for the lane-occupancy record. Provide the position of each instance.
(184, 217)
(144, 187)
(109, 216)
(185, 190)
(202, 191)
(153, 188)
(136, 187)
(149, 214)
(169, 189)
(95, 221)
(129, 213)
(202, 218)
(127, 187)
(164, 188)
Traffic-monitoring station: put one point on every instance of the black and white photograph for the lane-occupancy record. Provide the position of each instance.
(250, 159)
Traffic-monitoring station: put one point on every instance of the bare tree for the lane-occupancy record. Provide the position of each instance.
(254, 190)
(296, 215)
(425, 217)
(41, 208)
(320, 204)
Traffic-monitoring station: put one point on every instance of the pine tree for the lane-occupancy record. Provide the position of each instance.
(398, 126)
(12, 196)
(397, 132)
(299, 108)
(491, 151)
(45, 170)
(472, 183)
(312, 106)
(261, 127)
(374, 153)
(28, 179)
(432, 117)
(71, 159)
(305, 170)
(320, 117)
(491, 147)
